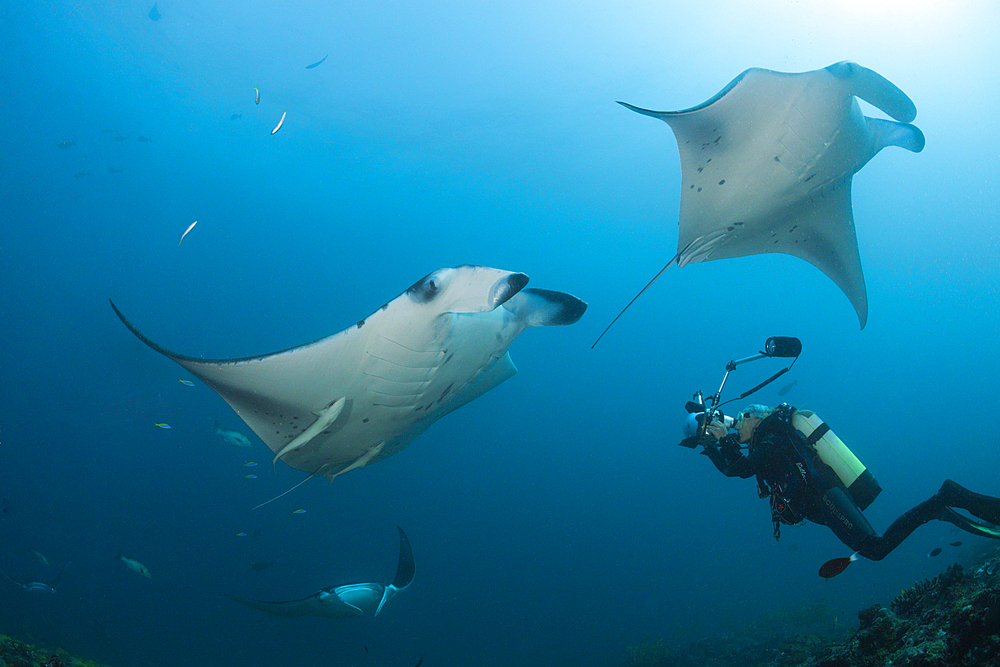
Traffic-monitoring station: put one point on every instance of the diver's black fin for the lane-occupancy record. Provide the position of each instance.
(970, 525)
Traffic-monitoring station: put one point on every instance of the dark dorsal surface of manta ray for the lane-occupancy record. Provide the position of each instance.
(347, 600)
(766, 166)
(364, 394)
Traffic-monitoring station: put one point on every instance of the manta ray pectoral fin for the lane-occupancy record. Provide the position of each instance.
(406, 566)
(545, 308)
(359, 462)
(404, 571)
(324, 418)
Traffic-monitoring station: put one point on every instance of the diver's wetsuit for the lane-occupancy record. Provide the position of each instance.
(802, 487)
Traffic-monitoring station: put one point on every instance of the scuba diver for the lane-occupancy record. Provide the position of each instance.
(784, 453)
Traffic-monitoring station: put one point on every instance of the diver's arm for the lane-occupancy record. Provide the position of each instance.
(728, 458)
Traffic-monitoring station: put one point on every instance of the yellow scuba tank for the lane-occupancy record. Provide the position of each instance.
(860, 483)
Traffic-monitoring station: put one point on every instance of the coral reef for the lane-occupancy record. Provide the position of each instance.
(15, 653)
(950, 620)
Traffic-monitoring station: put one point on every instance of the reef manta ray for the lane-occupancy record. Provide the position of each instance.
(767, 163)
(346, 600)
(363, 394)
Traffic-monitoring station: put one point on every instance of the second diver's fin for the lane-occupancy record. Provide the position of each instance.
(969, 525)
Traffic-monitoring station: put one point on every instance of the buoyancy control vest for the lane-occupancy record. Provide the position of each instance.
(787, 470)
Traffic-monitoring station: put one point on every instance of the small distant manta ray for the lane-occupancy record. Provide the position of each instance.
(364, 394)
(154, 13)
(787, 388)
(236, 116)
(38, 586)
(767, 163)
(234, 438)
(347, 600)
(317, 64)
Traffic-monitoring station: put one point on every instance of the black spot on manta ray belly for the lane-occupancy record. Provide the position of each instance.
(722, 182)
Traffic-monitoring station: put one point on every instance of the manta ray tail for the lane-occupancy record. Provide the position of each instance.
(672, 261)
(285, 493)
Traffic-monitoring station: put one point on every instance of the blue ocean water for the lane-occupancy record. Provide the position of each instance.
(554, 521)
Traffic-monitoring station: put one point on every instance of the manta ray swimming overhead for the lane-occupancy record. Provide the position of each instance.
(363, 394)
(766, 166)
(346, 600)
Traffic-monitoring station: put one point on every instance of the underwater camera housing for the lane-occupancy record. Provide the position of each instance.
(700, 414)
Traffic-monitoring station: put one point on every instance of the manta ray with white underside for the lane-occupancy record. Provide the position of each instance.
(767, 163)
(363, 394)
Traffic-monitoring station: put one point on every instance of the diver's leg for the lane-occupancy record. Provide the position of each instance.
(848, 523)
(986, 508)
(909, 521)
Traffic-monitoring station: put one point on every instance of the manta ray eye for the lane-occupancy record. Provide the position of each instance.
(426, 289)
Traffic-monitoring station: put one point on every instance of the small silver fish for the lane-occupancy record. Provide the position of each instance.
(280, 123)
(190, 227)
(234, 438)
(135, 566)
(256, 99)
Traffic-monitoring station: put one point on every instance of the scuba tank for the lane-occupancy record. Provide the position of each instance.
(860, 482)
